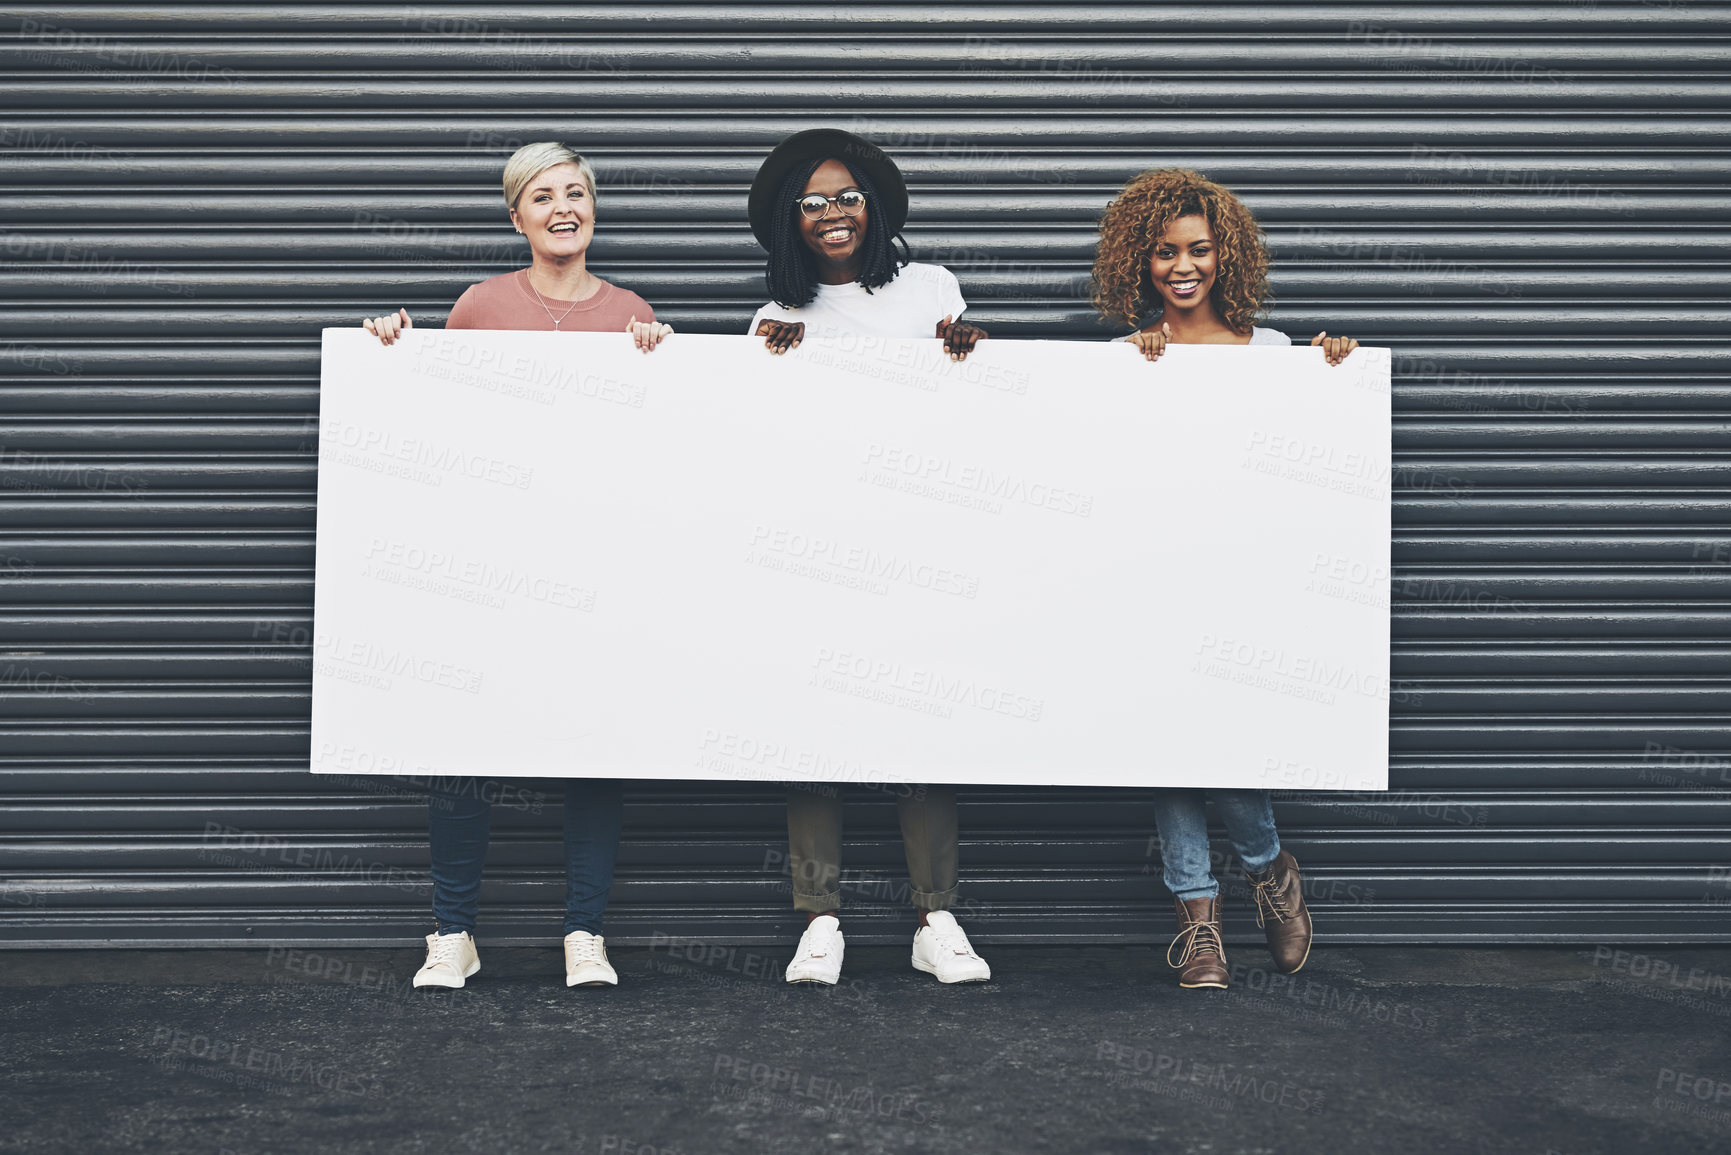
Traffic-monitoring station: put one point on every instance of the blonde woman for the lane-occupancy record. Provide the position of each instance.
(550, 192)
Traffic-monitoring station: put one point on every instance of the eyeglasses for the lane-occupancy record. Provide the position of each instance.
(815, 205)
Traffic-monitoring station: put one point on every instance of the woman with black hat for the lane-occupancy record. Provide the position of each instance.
(829, 207)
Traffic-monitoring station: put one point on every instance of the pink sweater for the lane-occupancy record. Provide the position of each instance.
(507, 302)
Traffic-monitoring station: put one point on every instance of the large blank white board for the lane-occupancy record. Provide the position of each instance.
(1055, 563)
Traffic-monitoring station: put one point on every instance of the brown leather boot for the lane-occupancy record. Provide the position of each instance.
(1202, 956)
(1281, 913)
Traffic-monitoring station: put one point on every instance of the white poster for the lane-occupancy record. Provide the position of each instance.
(1055, 563)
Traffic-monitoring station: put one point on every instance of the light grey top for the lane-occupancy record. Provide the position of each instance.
(1258, 336)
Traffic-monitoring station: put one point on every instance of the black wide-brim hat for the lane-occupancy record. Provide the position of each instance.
(820, 144)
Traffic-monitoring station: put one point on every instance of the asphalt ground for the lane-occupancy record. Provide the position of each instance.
(700, 1049)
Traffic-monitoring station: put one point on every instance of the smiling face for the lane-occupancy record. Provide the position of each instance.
(836, 239)
(556, 212)
(1183, 265)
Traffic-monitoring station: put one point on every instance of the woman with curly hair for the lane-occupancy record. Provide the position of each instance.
(1183, 258)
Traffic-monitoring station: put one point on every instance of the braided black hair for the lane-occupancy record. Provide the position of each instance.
(792, 269)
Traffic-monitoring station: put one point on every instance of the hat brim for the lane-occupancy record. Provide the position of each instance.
(859, 154)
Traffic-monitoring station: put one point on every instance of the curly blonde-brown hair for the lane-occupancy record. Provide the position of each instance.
(1123, 289)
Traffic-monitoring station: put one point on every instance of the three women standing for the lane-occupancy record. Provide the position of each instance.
(1179, 256)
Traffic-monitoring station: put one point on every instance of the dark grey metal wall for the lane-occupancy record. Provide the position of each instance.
(1528, 202)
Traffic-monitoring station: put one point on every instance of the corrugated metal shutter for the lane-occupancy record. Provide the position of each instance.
(1527, 201)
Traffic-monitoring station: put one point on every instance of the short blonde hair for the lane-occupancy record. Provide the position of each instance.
(532, 160)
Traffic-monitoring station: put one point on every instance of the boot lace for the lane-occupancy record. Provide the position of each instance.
(1269, 898)
(1199, 938)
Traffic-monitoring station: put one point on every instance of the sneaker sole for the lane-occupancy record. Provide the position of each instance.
(933, 971)
(593, 983)
(456, 986)
(1203, 986)
(818, 981)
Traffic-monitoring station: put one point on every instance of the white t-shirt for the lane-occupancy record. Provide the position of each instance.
(1258, 336)
(909, 306)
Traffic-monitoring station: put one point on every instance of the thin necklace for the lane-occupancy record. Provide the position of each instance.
(538, 297)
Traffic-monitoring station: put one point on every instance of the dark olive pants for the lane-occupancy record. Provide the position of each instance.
(928, 820)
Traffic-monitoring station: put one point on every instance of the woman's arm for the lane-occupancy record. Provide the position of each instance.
(780, 336)
(959, 337)
(1152, 344)
(647, 334)
(1336, 349)
(389, 327)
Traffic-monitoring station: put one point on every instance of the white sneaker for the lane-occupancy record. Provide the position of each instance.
(818, 959)
(941, 948)
(586, 962)
(451, 958)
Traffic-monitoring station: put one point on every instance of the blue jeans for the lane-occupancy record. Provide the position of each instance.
(1249, 818)
(459, 814)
